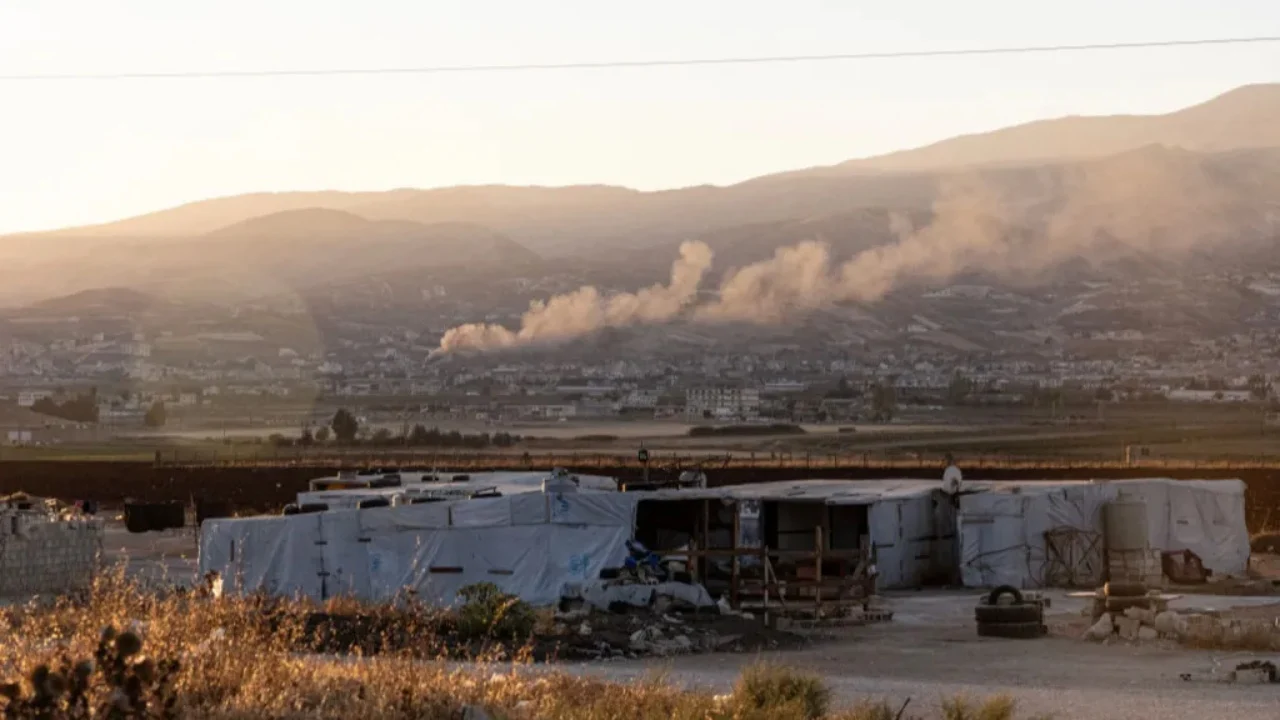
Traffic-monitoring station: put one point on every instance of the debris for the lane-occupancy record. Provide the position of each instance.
(1127, 627)
(1148, 633)
(584, 629)
(1102, 629)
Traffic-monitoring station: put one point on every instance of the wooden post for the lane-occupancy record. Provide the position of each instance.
(817, 571)
(706, 537)
(733, 576)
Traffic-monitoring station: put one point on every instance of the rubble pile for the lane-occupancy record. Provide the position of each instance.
(1140, 624)
(584, 634)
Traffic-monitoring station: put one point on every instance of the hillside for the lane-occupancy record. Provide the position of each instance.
(1121, 194)
(1247, 117)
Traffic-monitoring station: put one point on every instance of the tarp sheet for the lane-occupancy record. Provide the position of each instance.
(430, 550)
(1003, 531)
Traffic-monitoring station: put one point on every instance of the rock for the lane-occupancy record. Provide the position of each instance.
(584, 629)
(475, 712)
(1142, 615)
(672, 620)
(748, 616)
(1148, 633)
(572, 616)
(1165, 623)
(1102, 629)
(524, 706)
(1127, 628)
(682, 642)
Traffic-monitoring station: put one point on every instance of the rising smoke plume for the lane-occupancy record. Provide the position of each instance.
(585, 310)
(1154, 202)
(964, 234)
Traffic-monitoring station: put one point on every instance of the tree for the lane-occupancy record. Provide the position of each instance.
(884, 403)
(959, 389)
(1259, 387)
(306, 439)
(419, 436)
(322, 435)
(1104, 395)
(345, 426)
(382, 437)
(156, 415)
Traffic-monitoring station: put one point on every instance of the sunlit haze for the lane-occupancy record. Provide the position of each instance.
(76, 152)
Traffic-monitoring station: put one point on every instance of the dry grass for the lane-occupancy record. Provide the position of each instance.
(238, 658)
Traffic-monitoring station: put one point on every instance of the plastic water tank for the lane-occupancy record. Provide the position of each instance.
(1124, 522)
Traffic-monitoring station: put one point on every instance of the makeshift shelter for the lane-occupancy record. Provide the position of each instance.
(1052, 533)
(530, 544)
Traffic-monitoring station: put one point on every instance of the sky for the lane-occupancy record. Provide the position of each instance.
(75, 152)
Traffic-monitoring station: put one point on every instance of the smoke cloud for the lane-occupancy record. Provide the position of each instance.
(964, 234)
(585, 310)
(1016, 226)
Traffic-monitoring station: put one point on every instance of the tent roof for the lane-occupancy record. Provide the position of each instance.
(857, 492)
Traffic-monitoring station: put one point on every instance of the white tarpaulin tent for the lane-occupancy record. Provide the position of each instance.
(1002, 526)
(531, 545)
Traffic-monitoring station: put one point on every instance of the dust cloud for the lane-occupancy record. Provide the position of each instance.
(586, 310)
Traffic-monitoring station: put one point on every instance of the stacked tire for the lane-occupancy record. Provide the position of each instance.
(1004, 613)
(1121, 596)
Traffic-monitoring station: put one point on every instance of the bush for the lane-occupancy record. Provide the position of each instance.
(487, 612)
(960, 707)
(781, 692)
(119, 682)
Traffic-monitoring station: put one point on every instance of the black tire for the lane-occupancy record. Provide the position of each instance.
(1120, 604)
(1008, 614)
(994, 596)
(1124, 589)
(1017, 631)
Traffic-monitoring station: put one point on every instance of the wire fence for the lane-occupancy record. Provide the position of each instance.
(662, 460)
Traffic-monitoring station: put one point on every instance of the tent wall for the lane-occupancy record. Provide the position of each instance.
(904, 534)
(530, 546)
(1003, 533)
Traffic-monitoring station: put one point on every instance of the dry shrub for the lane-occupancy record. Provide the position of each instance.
(782, 691)
(218, 659)
(960, 707)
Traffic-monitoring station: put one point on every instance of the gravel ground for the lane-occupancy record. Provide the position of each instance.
(933, 652)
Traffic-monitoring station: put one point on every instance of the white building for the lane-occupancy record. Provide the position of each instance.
(641, 400)
(722, 402)
(27, 398)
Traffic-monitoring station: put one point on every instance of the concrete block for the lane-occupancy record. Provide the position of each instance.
(1142, 615)
(1127, 627)
(1148, 633)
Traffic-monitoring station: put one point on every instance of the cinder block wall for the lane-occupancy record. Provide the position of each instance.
(43, 555)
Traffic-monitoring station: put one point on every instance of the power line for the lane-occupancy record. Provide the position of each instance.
(624, 64)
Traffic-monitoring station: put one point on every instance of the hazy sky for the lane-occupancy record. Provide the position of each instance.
(74, 152)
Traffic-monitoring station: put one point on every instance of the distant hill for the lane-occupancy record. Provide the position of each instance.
(1247, 117)
(114, 299)
(1106, 194)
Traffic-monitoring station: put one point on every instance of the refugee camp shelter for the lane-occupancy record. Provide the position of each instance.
(905, 528)
(1036, 534)
(815, 540)
(529, 544)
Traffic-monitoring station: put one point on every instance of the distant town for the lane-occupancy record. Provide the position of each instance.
(119, 382)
